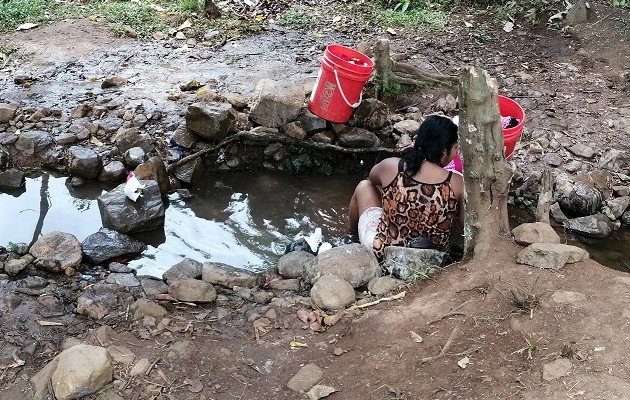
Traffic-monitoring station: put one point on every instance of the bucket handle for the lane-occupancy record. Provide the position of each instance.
(355, 105)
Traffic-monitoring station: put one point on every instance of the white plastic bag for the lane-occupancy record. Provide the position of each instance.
(133, 187)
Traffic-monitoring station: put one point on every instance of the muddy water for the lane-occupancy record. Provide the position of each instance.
(245, 219)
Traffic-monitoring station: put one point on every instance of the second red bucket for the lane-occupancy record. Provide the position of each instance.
(511, 136)
(339, 85)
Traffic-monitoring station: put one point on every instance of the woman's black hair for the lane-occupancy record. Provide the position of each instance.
(436, 134)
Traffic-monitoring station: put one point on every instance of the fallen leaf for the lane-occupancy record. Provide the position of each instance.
(303, 314)
(416, 338)
(28, 25)
(468, 24)
(508, 26)
(320, 391)
(49, 323)
(185, 25)
(95, 141)
(333, 319)
(391, 31)
(463, 362)
(195, 385)
(297, 345)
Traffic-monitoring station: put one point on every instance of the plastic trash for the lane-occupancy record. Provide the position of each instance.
(325, 246)
(314, 239)
(133, 187)
(88, 278)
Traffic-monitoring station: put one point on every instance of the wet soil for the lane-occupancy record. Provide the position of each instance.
(573, 82)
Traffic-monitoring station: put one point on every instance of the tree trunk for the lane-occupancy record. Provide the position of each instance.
(545, 198)
(486, 173)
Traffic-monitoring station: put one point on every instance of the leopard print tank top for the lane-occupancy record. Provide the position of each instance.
(413, 209)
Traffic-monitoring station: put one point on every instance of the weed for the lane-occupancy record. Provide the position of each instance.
(296, 18)
(16, 12)
(621, 3)
(414, 18)
(189, 6)
(141, 18)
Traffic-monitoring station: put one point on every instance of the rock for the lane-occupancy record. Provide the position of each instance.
(573, 166)
(112, 172)
(122, 279)
(323, 137)
(189, 172)
(292, 285)
(81, 370)
(83, 162)
(184, 138)
(353, 263)
(407, 127)
(113, 81)
(358, 138)
(11, 179)
(276, 103)
(553, 159)
(58, 249)
(261, 296)
(330, 292)
(621, 190)
(618, 206)
(371, 114)
(535, 232)
(237, 100)
(91, 308)
(625, 218)
(293, 264)
(121, 214)
(153, 286)
(120, 268)
(582, 150)
(550, 255)
(103, 335)
(154, 169)
(293, 129)
(126, 138)
(557, 214)
(211, 121)
(578, 13)
(17, 265)
(576, 198)
(556, 369)
(134, 157)
(7, 112)
(193, 290)
(307, 377)
(228, 276)
(41, 381)
(142, 307)
(107, 244)
(591, 225)
(185, 269)
(181, 349)
(34, 143)
(121, 354)
(409, 263)
(612, 160)
(567, 296)
(382, 285)
(311, 123)
(140, 367)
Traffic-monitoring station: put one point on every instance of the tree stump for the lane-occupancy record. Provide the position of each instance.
(545, 198)
(486, 173)
(390, 74)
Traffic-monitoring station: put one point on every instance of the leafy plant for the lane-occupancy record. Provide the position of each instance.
(297, 18)
(16, 12)
(621, 3)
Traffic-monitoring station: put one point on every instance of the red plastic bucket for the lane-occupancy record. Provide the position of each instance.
(339, 85)
(511, 136)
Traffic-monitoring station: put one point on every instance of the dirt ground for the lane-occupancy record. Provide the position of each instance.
(573, 81)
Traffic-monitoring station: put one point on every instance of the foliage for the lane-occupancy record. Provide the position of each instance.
(16, 12)
(295, 17)
(621, 3)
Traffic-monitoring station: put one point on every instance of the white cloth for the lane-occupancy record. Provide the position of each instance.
(368, 224)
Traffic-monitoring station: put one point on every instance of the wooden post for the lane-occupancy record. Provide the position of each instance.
(486, 173)
(545, 198)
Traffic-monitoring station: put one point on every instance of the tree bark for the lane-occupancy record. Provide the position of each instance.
(486, 173)
(545, 198)
(390, 73)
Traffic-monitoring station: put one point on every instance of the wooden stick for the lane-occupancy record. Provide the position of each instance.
(448, 343)
(375, 302)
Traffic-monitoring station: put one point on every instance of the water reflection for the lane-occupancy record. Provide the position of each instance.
(245, 219)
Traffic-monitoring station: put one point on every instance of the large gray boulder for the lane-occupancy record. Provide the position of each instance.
(577, 199)
(190, 171)
(276, 103)
(535, 232)
(354, 263)
(293, 264)
(126, 138)
(120, 213)
(185, 269)
(410, 263)
(211, 121)
(154, 169)
(358, 138)
(7, 112)
(613, 160)
(193, 290)
(114, 171)
(592, 225)
(81, 370)
(11, 179)
(550, 255)
(83, 162)
(228, 276)
(58, 251)
(107, 244)
(330, 292)
(371, 114)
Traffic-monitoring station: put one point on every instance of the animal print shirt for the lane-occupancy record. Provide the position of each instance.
(412, 209)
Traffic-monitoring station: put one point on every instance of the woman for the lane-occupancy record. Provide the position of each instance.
(420, 202)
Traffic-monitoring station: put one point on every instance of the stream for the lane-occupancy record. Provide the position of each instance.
(244, 219)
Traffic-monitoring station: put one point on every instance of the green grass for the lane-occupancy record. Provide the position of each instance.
(296, 18)
(414, 18)
(16, 12)
(140, 17)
